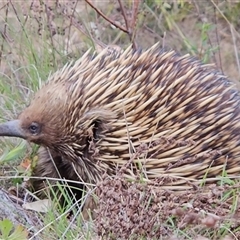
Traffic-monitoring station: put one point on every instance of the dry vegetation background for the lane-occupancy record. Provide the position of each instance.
(40, 36)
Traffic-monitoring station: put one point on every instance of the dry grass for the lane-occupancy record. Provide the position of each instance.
(38, 37)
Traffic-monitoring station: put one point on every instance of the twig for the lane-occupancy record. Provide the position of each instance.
(130, 28)
(106, 18)
(124, 16)
(136, 4)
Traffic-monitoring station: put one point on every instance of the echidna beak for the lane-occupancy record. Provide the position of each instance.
(11, 129)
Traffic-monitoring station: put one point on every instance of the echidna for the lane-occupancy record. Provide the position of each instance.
(171, 115)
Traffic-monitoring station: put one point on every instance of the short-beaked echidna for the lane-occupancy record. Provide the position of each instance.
(169, 114)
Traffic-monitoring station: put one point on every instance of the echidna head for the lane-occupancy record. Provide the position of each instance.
(55, 120)
(39, 122)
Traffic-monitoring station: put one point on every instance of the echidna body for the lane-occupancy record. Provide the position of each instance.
(170, 115)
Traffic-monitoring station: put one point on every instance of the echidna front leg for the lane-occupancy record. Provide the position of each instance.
(44, 169)
(51, 165)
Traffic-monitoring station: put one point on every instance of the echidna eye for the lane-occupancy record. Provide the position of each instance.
(34, 128)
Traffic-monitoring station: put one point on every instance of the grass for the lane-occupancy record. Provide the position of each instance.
(37, 39)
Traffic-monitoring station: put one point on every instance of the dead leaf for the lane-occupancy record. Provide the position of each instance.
(39, 206)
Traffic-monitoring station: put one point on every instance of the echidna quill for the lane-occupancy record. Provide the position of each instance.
(170, 115)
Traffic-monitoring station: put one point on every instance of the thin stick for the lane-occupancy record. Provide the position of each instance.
(129, 28)
(106, 18)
